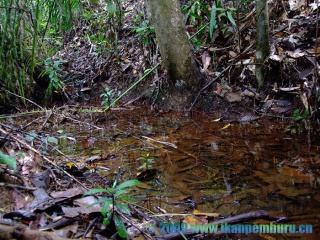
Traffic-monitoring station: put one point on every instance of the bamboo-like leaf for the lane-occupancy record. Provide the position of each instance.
(212, 20)
(229, 15)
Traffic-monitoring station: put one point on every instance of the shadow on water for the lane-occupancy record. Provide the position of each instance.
(188, 163)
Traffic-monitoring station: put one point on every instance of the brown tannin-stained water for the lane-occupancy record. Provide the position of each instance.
(195, 162)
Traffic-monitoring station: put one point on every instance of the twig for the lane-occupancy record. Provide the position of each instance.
(2, 184)
(26, 100)
(188, 214)
(171, 145)
(206, 86)
(146, 235)
(132, 86)
(77, 121)
(44, 157)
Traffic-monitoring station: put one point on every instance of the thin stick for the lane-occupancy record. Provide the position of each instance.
(26, 100)
(3, 184)
(44, 157)
(206, 86)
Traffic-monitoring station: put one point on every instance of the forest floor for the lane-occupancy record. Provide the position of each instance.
(103, 58)
(98, 56)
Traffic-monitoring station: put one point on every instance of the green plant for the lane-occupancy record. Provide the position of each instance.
(208, 19)
(107, 98)
(300, 122)
(6, 159)
(114, 203)
(115, 13)
(193, 11)
(48, 143)
(53, 70)
(297, 116)
(146, 162)
(217, 15)
(145, 32)
(27, 29)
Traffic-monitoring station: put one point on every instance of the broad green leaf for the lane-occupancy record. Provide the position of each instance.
(31, 136)
(120, 226)
(296, 115)
(112, 8)
(52, 140)
(6, 159)
(123, 208)
(126, 184)
(96, 190)
(118, 193)
(105, 208)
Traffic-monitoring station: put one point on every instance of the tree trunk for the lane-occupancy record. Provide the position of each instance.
(185, 77)
(262, 48)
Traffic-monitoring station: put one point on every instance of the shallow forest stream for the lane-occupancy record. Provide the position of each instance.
(196, 162)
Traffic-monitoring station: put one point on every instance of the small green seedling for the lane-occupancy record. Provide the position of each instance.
(114, 202)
